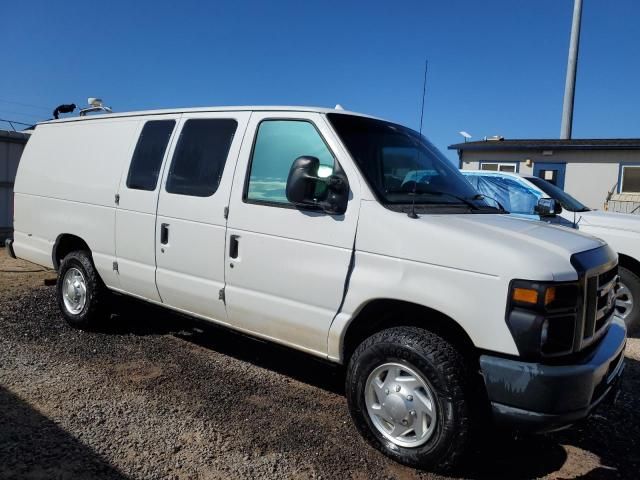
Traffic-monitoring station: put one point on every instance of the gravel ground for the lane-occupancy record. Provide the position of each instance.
(155, 395)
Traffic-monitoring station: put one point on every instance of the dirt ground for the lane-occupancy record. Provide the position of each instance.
(153, 395)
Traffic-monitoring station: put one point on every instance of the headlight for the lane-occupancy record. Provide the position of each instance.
(542, 317)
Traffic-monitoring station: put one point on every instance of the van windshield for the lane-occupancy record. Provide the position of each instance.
(402, 167)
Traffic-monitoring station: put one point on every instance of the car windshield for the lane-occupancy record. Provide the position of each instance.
(567, 201)
(402, 167)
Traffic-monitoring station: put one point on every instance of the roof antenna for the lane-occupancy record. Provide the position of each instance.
(412, 213)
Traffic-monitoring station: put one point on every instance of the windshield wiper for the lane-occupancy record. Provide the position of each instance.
(464, 200)
(481, 196)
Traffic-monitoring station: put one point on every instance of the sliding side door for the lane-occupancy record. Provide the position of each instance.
(191, 221)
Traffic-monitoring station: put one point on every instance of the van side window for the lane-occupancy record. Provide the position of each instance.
(200, 156)
(278, 143)
(148, 155)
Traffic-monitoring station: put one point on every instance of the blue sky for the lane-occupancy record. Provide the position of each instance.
(495, 66)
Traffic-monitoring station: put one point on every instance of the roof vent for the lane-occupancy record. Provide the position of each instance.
(494, 138)
(95, 105)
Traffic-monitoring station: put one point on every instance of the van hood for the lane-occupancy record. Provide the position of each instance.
(528, 233)
(491, 244)
(619, 221)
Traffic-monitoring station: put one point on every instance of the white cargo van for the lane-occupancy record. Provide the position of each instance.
(345, 236)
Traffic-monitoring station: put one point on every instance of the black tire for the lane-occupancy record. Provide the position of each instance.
(632, 282)
(94, 310)
(444, 369)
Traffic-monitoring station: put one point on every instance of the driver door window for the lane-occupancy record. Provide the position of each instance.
(278, 143)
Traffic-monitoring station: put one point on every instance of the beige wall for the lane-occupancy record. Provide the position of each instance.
(590, 174)
(590, 182)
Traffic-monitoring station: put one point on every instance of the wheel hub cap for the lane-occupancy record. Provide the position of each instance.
(624, 301)
(397, 408)
(401, 404)
(74, 291)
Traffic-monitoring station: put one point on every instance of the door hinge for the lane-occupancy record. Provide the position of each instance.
(117, 199)
(221, 295)
(115, 267)
(226, 212)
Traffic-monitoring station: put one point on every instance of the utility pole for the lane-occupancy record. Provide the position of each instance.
(572, 67)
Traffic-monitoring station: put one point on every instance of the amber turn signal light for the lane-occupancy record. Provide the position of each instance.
(525, 295)
(549, 295)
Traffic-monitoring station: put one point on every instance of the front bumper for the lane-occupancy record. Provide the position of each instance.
(539, 397)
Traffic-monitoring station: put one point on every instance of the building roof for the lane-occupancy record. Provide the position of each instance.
(551, 144)
(13, 137)
(253, 108)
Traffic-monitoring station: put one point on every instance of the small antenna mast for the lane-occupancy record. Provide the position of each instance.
(424, 92)
(412, 213)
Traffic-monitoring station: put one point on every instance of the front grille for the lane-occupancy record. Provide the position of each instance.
(600, 294)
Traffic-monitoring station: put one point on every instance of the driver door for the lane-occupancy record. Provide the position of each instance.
(286, 267)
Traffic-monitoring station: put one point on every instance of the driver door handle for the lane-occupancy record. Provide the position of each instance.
(233, 246)
(164, 233)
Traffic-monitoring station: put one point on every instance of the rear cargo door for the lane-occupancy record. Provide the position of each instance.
(191, 217)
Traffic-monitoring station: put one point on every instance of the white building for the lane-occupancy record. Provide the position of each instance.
(601, 173)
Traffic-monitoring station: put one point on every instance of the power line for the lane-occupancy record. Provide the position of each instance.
(30, 105)
(14, 121)
(11, 122)
(27, 115)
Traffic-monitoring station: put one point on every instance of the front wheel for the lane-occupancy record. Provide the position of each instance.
(628, 296)
(406, 394)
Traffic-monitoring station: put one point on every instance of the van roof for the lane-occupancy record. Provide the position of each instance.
(254, 108)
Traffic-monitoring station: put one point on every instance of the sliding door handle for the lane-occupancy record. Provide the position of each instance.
(164, 233)
(233, 246)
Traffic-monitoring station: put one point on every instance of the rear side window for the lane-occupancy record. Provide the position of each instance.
(200, 156)
(148, 155)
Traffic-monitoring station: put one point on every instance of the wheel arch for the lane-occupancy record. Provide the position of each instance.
(629, 263)
(379, 314)
(66, 243)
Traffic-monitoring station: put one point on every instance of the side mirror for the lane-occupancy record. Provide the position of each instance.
(548, 207)
(306, 188)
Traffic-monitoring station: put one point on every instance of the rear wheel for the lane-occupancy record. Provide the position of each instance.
(628, 296)
(80, 292)
(406, 393)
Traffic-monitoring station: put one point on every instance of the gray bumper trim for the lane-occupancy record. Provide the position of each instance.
(552, 395)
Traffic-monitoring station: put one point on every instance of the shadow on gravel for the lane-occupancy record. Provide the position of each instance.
(32, 446)
(613, 432)
(501, 455)
(132, 317)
